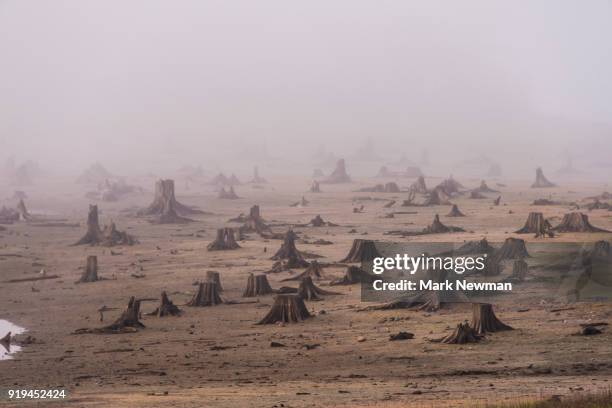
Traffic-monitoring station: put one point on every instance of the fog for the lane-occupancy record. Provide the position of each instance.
(156, 85)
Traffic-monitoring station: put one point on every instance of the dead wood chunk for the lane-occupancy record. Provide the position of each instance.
(166, 307)
(455, 212)
(214, 277)
(485, 321)
(289, 253)
(536, 224)
(224, 241)
(165, 208)
(91, 270)
(207, 295)
(362, 250)
(437, 227)
(577, 222)
(257, 285)
(401, 336)
(590, 331)
(352, 275)
(462, 334)
(309, 291)
(339, 175)
(541, 181)
(513, 248)
(286, 309)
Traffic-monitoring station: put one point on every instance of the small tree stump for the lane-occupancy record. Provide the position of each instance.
(485, 321)
(541, 181)
(286, 309)
(314, 271)
(339, 175)
(308, 291)
(224, 241)
(454, 212)
(289, 252)
(91, 270)
(166, 307)
(462, 334)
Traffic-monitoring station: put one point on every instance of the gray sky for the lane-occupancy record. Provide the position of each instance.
(199, 80)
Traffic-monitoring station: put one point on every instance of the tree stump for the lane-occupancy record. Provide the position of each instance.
(513, 248)
(483, 188)
(207, 295)
(214, 277)
(577, 222)
(224, 241)
(541, 181)
(286, 309)
(24, 215)
(128, 322)
(112, 236)
(255, 223)
(437, 227)
(475, 247)
(315, 188)
(339, 175)
(166, 307)
(454, 212)
(308, 291)
(90, 274)
(362, 251)
(536, 224)
(289, 252)
(484, 319)
(228, 195)
(257, 285)
(462, 334)
(438, 196)
(419, 186)
(352, 275)
(520, 269)
(256, 178)
(391, 187)
(165, 208)
(302, 203)
(497, 201)
(313, 271)
(93, 236)
(450, 186)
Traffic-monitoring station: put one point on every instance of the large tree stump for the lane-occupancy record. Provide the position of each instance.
(352, 275)
(166, 307)
(484, 319)
(314, 271)
(24, 215)
(90, 274)
(455, 212)
(214, 277)
(224, 241)
(438, 196)
(536, 224)
(165, 208)
(207, 295)
(257, 285)
(362, 251)
(289, 253)
(255, 223)
(308, 290)
(577, 222)
(93, 236)
(339, 175)
(541, 181)
(128, 322)
(286, 309)
(462, 334)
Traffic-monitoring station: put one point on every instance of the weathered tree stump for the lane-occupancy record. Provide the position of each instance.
(165, 208)
(438, 196)
(475, 247)
(93, 236)
(128, 322)
(419, 186)
(483, 188)
(90, 274)
(513, 248)
(541, 181)
(302, 203)
(286, 309)
(224, 241)
(484, 319)
(112, 236)
(308, 291)
(450, 186)
(289, 253)
(362, 251)
(314, 271)
(352, 275)
(24, 215)
(257, 285)
(520, 269)
(207, 295)
(256, 178)
(536, 224)
(315, 187)
(455, 212)
(228, 195)
(214, 277)
(166, 307)
(437, 227)
(577, 222)
(339, 175)
(462, 334)
(255, 223)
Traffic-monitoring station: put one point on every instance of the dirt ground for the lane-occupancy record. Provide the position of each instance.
(218, 357)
